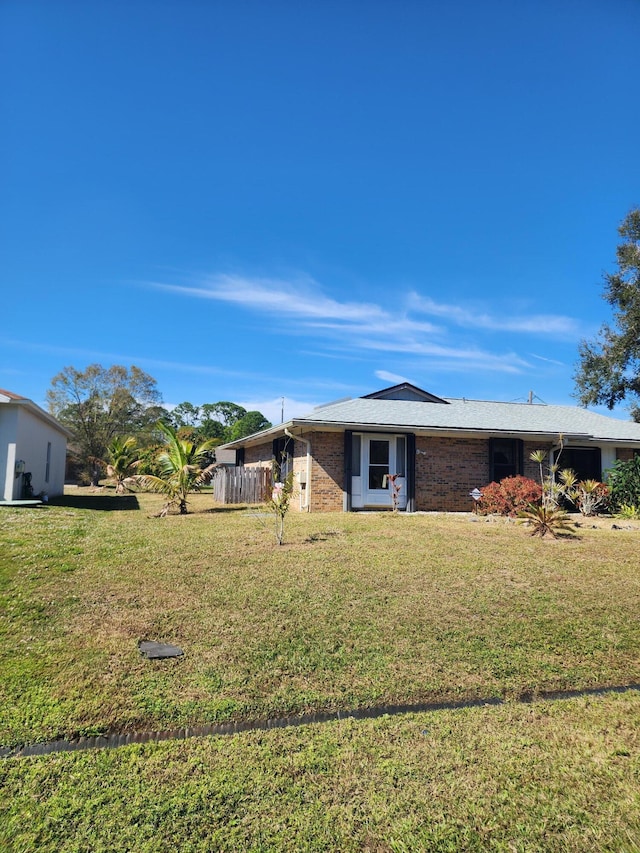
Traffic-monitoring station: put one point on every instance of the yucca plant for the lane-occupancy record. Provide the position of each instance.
(182, 468)
(122, 462)
(545, 519)
(591, 496)
(551, 489)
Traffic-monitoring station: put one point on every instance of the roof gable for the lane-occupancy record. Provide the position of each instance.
(404, 391)
(7, 396)
(11, 400)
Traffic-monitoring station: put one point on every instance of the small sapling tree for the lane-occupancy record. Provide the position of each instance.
(279, 504)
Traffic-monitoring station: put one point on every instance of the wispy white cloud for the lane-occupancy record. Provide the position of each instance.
(390, 377)
(300, 298)
(468, 359)
(548, 360)
(536, 324)
(352, 327)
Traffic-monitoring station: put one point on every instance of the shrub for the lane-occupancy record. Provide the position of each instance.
(629, 511)
(590, 497)
(545, 519)
(509, 496)
(624, 483)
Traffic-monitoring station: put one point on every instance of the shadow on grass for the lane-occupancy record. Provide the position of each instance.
(103, 501)
(234, 727)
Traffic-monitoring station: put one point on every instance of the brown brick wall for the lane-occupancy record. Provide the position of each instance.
(624, 454)
(327, 471)
(258, 456)
(447, 469)
(262, 456)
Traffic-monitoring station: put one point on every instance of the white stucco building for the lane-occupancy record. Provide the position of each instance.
(32, 442)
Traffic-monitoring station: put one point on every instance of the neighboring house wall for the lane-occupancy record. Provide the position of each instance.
(44, 452)
(8, 431)
(26, 437)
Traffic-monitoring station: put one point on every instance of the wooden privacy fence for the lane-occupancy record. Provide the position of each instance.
(241, 485)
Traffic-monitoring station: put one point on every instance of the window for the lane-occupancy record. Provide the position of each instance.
(378, 463)
(356, 449)
(283, 455)
(505, 458)
(585, 462)
(47, 469)
(401, 456)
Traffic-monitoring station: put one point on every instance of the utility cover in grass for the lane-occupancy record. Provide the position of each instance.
(155, 651)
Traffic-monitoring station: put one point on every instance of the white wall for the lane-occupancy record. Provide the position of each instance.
(31, 445)
(8, 482)
(24, 436)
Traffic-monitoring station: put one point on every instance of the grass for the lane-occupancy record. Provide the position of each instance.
(354, 611)
(559, 776)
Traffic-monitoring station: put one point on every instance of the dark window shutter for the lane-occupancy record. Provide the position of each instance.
(348, 465)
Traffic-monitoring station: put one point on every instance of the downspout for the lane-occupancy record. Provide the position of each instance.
(307, 501)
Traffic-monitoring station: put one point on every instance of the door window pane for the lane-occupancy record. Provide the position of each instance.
(378, 463)
(376, 476)
(379, 452)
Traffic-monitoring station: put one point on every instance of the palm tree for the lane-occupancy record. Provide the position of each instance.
(182, 468)
(123, 459)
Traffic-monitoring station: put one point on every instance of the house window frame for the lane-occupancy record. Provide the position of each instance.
(516, 452)
(283, 456)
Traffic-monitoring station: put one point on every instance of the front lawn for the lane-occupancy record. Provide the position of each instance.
(354, 611)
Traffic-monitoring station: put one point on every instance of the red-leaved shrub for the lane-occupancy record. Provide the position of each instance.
(509, 496)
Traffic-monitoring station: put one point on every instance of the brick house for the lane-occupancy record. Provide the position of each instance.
(441, 448)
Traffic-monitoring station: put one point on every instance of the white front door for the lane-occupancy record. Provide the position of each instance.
(381, 457)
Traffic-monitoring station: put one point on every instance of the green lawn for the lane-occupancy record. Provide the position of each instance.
(353, 611)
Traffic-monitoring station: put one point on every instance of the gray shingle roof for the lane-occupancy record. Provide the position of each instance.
(474, 416)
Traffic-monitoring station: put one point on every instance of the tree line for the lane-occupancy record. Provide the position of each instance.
(102, 405)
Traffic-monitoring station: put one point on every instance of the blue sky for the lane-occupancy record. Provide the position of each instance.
(312, 200)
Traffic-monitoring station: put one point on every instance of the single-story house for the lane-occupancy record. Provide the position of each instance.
(33, 449)
(343, 453)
